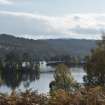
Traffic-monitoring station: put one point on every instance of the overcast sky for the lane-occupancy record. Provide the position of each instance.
(53, 18)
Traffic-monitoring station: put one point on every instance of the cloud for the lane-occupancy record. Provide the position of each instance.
(5, 2)
(24, 23)
(85, 30)
(41, 26)
(20, 1)
(10, 2)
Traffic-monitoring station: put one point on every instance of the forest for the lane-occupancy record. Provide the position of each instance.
(45, 49)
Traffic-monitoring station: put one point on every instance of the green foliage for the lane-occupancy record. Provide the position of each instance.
(12, 61)
(26, 57)
(63, 79)
(1, 66)
(37, 68)
(95, 66)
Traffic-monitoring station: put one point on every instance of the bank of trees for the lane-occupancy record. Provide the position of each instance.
(14, 61)
(12, 73)
(95, 65)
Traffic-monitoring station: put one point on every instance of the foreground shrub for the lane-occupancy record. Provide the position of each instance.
(59, 97)
(83, 96)
(26, 98)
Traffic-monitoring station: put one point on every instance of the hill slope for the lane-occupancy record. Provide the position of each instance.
(45, 48)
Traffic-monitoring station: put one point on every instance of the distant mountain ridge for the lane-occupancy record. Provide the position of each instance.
(45, 48)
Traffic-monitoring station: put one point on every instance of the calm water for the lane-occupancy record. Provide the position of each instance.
(24, 81)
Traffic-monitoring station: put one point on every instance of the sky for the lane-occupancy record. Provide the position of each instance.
(51, 19)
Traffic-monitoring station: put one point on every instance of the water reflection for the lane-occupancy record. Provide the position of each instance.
(23, 79)
(13, 78)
